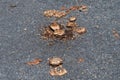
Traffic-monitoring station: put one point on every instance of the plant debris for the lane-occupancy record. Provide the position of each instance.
(80, 30)
(80, 60)
(34, 62)
(63, 32)
(58, 71)
(55, 26)
(116, 34)
(72, 19)
(82, 8)
(67, 31)
(56, 68)
(54, 13)
(55, 61)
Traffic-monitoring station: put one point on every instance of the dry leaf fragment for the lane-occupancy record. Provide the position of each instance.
(58, 71)
(34, 62)
(55, 61)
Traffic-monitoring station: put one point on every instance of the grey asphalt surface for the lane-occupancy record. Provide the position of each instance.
(20, 42)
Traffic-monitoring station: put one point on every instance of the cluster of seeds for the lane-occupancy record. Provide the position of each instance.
(54, 13)
(56, 67)
(55, 63)
(67, 31)
(63, 32)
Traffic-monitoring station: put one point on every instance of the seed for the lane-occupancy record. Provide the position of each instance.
(59, 14)
(59, 32)
(54, 13)
(80, 30)
(49, 13)
(116, 34)
(55, 61)
(72, 19)
(35, 61)
(71, 24)
(83, 8)
(55, 26)
(80, 60)
(58, 71)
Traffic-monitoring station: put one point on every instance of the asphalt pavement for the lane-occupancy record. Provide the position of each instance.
(21, 42)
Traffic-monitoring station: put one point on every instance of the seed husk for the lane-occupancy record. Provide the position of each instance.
(34, 62)
(54, 13)
(58, 71)
(55, 26)
(72, 18)
(71, 24)
(55, 61)
(80, 30)
(59, 32)
(83, 8)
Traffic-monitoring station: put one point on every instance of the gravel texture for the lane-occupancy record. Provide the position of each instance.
(20, 41)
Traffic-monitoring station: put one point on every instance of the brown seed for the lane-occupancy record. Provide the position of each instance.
(59, 32)
(116, 34)
(49, 13)
(59, 14)
(58, 71)
(74, 8)
(54, 13)
(55, 61)
(55, 26)
(47, 33)
(80, 30)
(34, 62)
(83, 8)
(71, 24)
(72, 18)
(80, 60)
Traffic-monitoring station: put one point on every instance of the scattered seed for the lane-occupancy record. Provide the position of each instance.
(71, 24)
(80, 30)
(74, 8)
(48, 33)
(55, 61)
(34, 62)
(58, 71)
(60, 14)
(63, 32)
(72, 18)
(49, 13)
(59, 32)
(83, 8)
(54, 13)
(80, 60)
(115, 33)
(55, 26)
